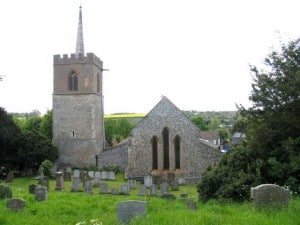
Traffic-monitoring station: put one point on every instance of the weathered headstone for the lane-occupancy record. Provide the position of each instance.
(67, 174)
(91, 174)
(181, 181)
(69, 169)
(81, 175)
(76, 174)
(97, 179)
(111, 175)
(76, 184)
(41, 193)
(132, 184)
(270, 195)
(143, 190)
(32, 188)
(184, 196)
(88, 186)
(9, 177)
(148, 181)
(114, 191)
(103, 188)
(124, 189)
(153, 190)
(104, 175)
(59, 181)
(45, 182)
(16, 204)
(127, 210)
(174, 185)
(164, 188)
(168, 196)
(190, 204)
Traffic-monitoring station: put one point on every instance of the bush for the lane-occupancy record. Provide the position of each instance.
(47, 165)
(5, 192)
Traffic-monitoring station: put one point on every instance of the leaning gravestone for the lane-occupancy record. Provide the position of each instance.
(97, 179)
(9, 177)
(270, 195)
(103, 188)
(88, 186)
(127, 210)
(16, 204)
(41, 193)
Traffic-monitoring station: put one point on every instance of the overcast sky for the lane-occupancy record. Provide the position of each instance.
(195, 52)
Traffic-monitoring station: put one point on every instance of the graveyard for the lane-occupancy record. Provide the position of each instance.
(104, 200)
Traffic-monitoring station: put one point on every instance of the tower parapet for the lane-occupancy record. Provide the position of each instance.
(90, 58)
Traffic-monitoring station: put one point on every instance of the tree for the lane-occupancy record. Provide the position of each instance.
(9, 138)
(117, 129)
(46, 125)
(199, 122)
(271, 153)
(214, 123)
(35, 148)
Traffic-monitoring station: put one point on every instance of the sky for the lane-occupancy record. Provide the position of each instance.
(195, 52)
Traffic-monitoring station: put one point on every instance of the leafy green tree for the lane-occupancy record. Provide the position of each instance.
(46, 125)
(31, 123)
(35, 148)
(199, 122)
(214, 123)
(117, 129)
(271, 153)
(9, 138)
(223, 135)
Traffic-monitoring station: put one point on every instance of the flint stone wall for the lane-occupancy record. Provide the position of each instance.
(196, 155)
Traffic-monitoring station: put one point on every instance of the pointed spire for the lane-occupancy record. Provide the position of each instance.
(79, 42)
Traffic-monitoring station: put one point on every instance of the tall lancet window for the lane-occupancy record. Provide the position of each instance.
(73, 81)
(177, 152)
(166, 148)
(154, 153)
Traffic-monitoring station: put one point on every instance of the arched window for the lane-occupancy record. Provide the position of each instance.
(166, 148)
(154, 153)
(177, 152)
(73, 81)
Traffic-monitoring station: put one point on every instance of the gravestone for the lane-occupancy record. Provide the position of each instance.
(44, 181)
(76, 174)
(81, 175)
(190, 204)
(132, 184)
(103, 188)
(181, 181)
(91, 174)
(97, 179)
(124, 189)
(174, 185)
(148, 181)
(67, 174)
(9, 177)
(270, 195)
(143, 190)
(111, 175)
(114, 191)
(184, 196)
(59, 181)
(88, 186)
(164, 188)
(76, 184)
(53, 171)
(127, 210)
(168, 196)
(69, 169)
(16, 204)
(41, 193)
(32, 188)
(104, 175)
(153, 190)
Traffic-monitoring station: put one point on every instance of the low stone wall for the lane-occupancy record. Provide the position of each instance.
(114, 156)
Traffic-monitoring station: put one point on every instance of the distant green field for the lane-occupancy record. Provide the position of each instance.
(125, 115)
(71, 208)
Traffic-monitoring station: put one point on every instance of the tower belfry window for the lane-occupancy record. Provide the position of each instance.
(73, 81)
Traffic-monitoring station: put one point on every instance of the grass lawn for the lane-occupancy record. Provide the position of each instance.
(69, 208)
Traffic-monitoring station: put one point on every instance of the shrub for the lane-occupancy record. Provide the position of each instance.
(47, 165)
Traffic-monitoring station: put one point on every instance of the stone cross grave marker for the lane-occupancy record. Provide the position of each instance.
(270, 195)
(103, 188)
(41, 193)
(16, 204)
(127, 210)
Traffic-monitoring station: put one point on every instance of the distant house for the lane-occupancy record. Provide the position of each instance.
(211, 137)
(237, 138)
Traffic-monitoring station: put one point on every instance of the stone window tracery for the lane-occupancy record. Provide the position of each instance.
(73, 81)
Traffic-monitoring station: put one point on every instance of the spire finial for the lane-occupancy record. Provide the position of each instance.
(79, 42)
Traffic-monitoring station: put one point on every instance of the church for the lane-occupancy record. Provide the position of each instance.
(165, 144)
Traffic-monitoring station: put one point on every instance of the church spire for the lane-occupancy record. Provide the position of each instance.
(79, 42)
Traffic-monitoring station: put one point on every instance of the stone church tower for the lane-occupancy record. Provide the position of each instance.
(78, 124)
